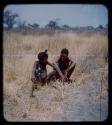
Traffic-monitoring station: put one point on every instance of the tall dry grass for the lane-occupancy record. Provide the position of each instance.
(20, 52)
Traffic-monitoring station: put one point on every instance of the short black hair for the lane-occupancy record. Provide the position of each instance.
(42, 55)
(65, 51)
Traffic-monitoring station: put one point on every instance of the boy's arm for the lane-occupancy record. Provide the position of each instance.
(49, 64)
(55, 65)
(72, 64)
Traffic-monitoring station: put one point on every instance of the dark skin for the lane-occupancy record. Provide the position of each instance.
(63, 57)
(43, 81)
(45, 61)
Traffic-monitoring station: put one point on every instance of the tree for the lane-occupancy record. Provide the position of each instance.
(10, 19)
(65, 27)
(53, 24)
(35, 25)
(100, 27)
(90, 27)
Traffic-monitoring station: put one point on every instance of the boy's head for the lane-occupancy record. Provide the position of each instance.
(64, 54)
(43, 57)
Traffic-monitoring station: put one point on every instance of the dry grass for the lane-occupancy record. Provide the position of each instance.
(20, 51)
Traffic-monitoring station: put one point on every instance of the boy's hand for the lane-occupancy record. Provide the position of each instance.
(64, 78)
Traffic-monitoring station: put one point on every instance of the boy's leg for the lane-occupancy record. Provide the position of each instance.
(34, 86)
(43, 81)
(52, 76)
(32, 90)
(43, 77)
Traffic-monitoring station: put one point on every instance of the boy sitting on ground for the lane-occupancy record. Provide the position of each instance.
(64, 67)
(39, 72)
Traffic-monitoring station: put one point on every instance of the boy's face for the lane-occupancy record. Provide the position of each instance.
(64, 56)
(45, 61)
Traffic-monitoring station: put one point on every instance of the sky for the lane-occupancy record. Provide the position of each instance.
(74, 15)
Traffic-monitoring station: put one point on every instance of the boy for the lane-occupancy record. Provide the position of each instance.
(64, 67)
(39, 72)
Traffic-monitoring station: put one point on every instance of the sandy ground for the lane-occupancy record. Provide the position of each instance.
(70, 102)
(86, 99)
